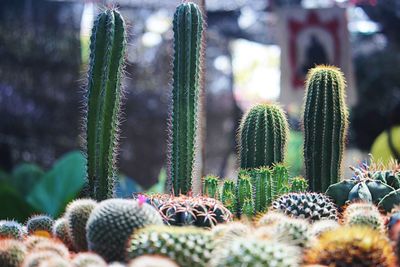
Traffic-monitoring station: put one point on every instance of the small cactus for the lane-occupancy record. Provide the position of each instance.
(322, 226)
(228, 195)
(11, 229)
(40, 225)
(270, 218)
(325, 125)
(60, 231)
(363, 214)
(293, 231)
(35, 259)
(107, 49)
(247, 209)
(52, 246)
(210, 186)
(152, 261)
(263, 136)
(12, 253)
(244, 191)
(87, 259)
(298, 184)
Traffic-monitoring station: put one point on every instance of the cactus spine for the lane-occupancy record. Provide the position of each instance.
(210, 186)
(325, 126)
(184, 117)
(107, 49)
(263, 136)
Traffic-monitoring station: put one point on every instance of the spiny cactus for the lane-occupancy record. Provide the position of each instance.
(112, 222)
(244, 191)
(351, 247)
(298, 184)
(270, 218)
(228, 195)
(363, 214)
(293, 231)
(247, 209)
(40, 225)
(12, 253)
(255, 252)
(322, 226)
(60, 231)
(312, 206)
(87, 259)
(107, 49)
(55, 262)
(263, 136)
(325, 125)
(35, 259)
(31, 241)
(210, 186)
(11, 229)
(152, 261)
(184, 210)
(227, 231)
(263, 188)
(52, 246)
(188, 246)
(184, 116)
(77, 215)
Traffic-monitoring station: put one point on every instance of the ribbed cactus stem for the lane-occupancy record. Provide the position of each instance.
(263, 136)
(210, 186)
(248, 208)
(325, 126)
(261, 189)
(298, 184)
(228, 195)
(107, 49)
(280, 177)
(184, 117)
(244, 191)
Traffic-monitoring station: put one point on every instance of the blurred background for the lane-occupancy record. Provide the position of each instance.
(256, 51)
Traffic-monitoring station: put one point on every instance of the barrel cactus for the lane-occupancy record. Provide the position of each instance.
(87, 259)
(60, 231)
(12, 253)
(11, 229)
(40, 225)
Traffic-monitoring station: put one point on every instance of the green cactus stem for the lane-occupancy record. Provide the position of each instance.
(228, 195)
(325, 125)
(107, 49)
(263, 136)
(244, 191)
(210, 186)
(184, 116)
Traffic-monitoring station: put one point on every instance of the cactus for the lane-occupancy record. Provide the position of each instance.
(255, 252)
(55, 262)
(228, 195)
(325, 125)
(60, 231)
(227, 231)
(263, 188)
(40, 225)
(87, 259)
(294, 231)
(263, 136)
(11, 229)
(77, 215)
(51, 246)
(363, 214)
(322, 226)
(351, 247)
(247, 209)
(35, 259)
(187, 246)
(184, 116)
(152, 261)
(312, 206)
(270, 218)
(298, 184)
(210, 186)
(107, 48)
(244, 191)
(12, 253)
(112, 222)
(184, 210)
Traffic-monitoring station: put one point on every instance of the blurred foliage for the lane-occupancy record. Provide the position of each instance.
(159, 187)
(294, 157)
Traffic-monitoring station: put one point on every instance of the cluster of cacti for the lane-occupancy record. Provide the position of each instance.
(184, 210)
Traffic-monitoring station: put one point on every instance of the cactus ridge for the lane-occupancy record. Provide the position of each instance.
(184, 115)
(104, 93)
(325, 126)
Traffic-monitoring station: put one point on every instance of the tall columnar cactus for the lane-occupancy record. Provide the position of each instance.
(184, 117)
(210, 186)
(263, 136)
(325, 126)
(107, 49)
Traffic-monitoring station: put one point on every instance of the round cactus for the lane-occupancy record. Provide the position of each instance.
(32, 241)
(11, 229)
(60, 231)
(255, 252)
(312, 206)
(364, 215)
(293, 231)
(52, 246)
(40, 225)
(270, 218)
(152, 261)
(35, 259)
(112, 222)
(86, 259)
(77, 215)
(12, 253)
(322, 226)
(230, 230)
(55, 262)
(187, 246)
(351, 247)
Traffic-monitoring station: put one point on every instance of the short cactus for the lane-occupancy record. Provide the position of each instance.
(60, 231)
(52, 246)
(187, 246)
(107, 49)
(351, 247)
(87, 259)
(263, 136)
(41, 225)
(77, 215)
(55, 262)
(255, 252)
(325, 125)
(11, 229)
(363, 215)
(311, 206)
(226, 232)
(12, 253)
(293, 231)
(184, 115)
(271, 218)
(35, 259)
(228, 195)
(112, 222)
(31, 241)
(152, 261)
(322, 226)
(210, 186)
(298, 184)
(244, 190)
(247, 209)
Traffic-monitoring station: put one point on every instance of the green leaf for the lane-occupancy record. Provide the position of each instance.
(60, 185)
(13, 206)
(24, 177)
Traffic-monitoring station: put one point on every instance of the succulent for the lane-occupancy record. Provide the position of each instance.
(77, 214)
(35, 259)
(187, 246)
(312, 206)
(270, 218)
(247, 208)
(255, 252)
(55, 262)
(227, 231)
(322, 226)
(31, 241)
(40, 225)
(263, 136)
(325, 126)
(104, 93)
(11, 229)
(185, 210)
(60, 231)
(293, 231)
(12, 253)
(86, 259)
(228, 195)
(152, 261)
(52, 246)
(210, 186)
(351, 247)
(298, 184)
(244, 190)
(363, 215)
(184, 115)
(112, 222)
